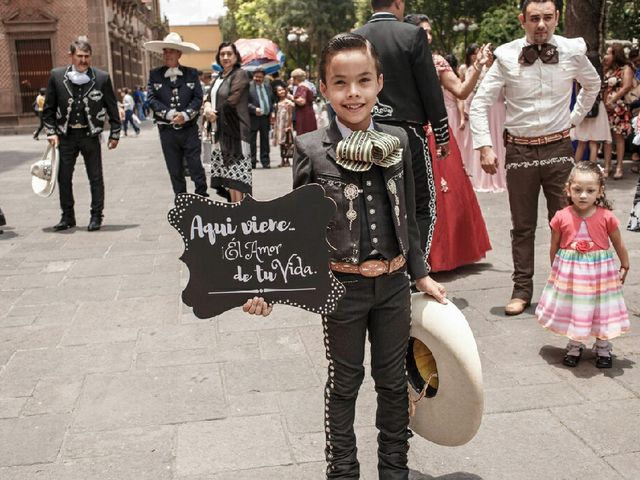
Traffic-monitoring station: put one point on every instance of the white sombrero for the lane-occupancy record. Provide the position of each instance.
(445, 375)
(45, 172)
(173, 41)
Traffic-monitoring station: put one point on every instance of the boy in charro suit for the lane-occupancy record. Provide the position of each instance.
(175, 96)
(376, 249)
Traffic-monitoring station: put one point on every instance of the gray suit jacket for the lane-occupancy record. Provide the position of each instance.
(254, 102)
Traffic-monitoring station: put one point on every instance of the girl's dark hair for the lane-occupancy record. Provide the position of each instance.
(235, 51)
(416, 19)
(471, 49)
(593, 168)
(341, 43)
(453, 62)
(619, 58)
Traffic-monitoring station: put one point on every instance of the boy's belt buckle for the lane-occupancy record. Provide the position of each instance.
(373, 268)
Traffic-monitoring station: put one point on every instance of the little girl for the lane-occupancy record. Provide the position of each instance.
(283, 131)
(583, 296)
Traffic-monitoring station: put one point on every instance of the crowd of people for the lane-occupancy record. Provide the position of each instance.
(503, 120)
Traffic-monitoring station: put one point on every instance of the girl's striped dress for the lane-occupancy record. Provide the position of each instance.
(583, 296)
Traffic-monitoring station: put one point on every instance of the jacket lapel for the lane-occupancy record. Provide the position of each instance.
(89, 86)
(330, 140)
(67, 82)
(179, 78)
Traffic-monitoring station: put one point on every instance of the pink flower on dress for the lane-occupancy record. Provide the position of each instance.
(583, 246)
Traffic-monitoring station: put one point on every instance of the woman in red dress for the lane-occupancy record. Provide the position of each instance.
(305, 117)
(460, 236)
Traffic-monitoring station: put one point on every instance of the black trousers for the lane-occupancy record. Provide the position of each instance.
(380, 306)
(75, 142)
(425, 192)
(262, 126)
(178, 145)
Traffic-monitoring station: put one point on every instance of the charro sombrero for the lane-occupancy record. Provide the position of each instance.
(445, 375)
(44, 172)
(173, 41)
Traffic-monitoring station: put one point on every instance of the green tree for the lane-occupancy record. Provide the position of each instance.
(228, 22)
(362, 12)
(445, 14)
(500, 25)
(586, 19)
(274, 19)
(623, 19)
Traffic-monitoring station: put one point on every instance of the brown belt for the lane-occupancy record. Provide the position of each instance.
(542, 140)
(78, 125)
(370, 268)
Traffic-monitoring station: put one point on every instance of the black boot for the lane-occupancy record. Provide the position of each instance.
(65, 224)
(95, 223)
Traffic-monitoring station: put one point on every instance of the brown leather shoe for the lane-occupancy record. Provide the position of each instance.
(516, 306)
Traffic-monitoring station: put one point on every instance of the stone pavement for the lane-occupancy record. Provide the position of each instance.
(105, 375)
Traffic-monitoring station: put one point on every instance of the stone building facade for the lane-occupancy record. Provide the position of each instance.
(35, 37)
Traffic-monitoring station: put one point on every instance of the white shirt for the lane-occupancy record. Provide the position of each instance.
(346, 131)
(537, 96)
(127, 102)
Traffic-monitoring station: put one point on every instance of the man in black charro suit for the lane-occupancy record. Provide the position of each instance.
(175, 96)
(410, 98)
(79, 99)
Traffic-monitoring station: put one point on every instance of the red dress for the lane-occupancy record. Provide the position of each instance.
(460, 235)
(305, 120)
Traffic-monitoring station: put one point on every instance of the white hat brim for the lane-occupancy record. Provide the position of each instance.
(40, 186)
(158, 45)
(453, 416)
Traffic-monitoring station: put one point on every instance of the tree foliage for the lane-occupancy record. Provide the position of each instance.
(274, 19)
(500, 25)
(623, 19)
(496, 20)
(445, 14)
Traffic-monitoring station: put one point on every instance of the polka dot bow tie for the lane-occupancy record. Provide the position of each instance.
(362, 149)
(546, 52)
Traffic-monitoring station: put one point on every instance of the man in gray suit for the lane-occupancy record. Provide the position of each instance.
(260, 111)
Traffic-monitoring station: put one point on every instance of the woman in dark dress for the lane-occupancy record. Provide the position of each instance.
(227, 109)
(305, 117)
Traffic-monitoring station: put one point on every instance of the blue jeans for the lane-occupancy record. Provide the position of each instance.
(128, 118)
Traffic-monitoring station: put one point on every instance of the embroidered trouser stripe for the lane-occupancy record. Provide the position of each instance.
(380, 307)
(425, 189)
(528, 169)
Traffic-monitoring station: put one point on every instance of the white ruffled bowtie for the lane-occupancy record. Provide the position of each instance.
(78, 78)
(173, 73)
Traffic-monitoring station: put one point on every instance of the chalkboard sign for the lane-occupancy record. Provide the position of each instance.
(275, 249)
